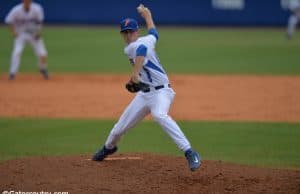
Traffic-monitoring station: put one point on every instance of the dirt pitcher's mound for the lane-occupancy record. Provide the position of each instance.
(141, 173)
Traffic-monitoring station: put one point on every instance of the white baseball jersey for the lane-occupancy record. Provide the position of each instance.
(26, 21)
(152, 71)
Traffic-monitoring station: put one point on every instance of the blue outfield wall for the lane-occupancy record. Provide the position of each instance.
(173, 12)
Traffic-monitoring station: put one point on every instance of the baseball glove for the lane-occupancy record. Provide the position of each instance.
(136, 87)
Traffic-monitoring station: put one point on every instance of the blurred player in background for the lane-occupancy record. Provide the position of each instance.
(294, 18)
(25, 22)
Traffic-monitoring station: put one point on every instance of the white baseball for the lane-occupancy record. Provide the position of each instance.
(140, 8)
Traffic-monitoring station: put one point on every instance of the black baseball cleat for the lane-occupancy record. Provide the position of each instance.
(45, 74)
(103, 153)
(11, 76)
(193, 159)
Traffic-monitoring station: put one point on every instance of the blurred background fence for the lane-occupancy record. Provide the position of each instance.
(170, 12)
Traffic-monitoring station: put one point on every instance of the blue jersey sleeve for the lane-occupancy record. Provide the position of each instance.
(154, 32)
(141, 50)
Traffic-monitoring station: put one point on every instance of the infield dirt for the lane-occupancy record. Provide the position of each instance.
(245, 98)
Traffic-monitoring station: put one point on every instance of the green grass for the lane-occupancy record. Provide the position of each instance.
(181, 50)
(263, 144)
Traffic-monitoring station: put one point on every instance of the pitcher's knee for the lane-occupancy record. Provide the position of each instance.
(158, 117)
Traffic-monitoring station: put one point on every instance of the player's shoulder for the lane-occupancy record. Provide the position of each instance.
(134, 45)
(36, 6)
(147, 40)
(131, 48)
(17, 8)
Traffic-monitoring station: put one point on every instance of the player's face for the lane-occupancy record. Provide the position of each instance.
(26, 4)
(130, 36)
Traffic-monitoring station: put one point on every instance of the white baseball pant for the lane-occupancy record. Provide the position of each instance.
(156, 102)
(19, 44)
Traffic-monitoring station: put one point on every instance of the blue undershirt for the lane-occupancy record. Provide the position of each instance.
(153, 32)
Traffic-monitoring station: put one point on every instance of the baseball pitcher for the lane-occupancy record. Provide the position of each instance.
(25, 21)
(154, 94)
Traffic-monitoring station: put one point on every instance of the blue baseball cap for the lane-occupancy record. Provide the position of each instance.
(129, 24)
